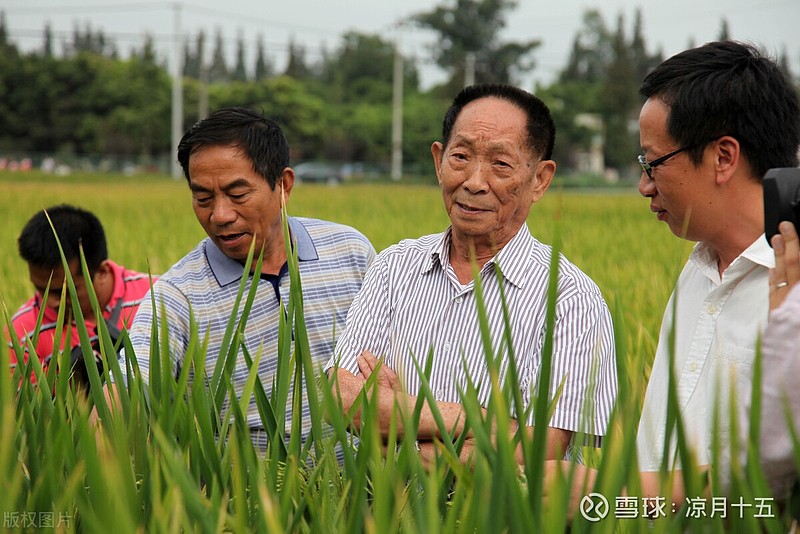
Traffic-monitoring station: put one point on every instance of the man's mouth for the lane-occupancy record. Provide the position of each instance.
(229, 238)
(661, 214)
(470, 209)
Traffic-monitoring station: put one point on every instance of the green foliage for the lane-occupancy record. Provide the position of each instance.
(361, 70)
(601, 78)
(474, 26)
(173, 455)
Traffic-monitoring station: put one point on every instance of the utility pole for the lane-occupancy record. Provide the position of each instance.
(177, 94)
(397, 111)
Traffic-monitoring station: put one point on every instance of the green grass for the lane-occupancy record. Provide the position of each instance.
(156, 465)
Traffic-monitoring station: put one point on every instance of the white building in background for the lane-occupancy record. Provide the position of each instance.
(591, 160)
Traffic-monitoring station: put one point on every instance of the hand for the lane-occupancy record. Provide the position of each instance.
(583, 480)
(387, 378)
(429, 450)
(787, 264)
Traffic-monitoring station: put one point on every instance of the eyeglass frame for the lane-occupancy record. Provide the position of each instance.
(648, 167)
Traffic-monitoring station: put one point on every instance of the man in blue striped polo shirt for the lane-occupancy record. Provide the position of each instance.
(418, 299)
(237, 164)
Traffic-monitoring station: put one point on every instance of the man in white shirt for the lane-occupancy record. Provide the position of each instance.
(717, 117)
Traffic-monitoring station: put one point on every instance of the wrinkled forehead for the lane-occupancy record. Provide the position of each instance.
(491, 120)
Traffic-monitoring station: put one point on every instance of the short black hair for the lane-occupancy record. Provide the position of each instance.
(259, 138)
(729, 88)
(75, 228)
(540, 125)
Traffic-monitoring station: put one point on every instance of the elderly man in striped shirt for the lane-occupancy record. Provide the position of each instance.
(418, 300)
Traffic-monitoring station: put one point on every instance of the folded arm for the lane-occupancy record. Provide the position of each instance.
(390, 398)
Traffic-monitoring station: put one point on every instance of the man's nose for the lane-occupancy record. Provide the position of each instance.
(223, 212)
(477, 179)
(647, 186)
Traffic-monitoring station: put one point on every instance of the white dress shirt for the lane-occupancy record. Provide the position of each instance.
(717, 322)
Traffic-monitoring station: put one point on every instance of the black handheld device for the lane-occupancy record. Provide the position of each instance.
(781, 199)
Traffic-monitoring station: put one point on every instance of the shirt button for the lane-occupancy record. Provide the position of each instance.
(712, 309)
(459, 300)
(447, 347)
(693, 366)
(439, 394)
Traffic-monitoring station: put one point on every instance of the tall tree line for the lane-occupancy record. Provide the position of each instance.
(90, 100)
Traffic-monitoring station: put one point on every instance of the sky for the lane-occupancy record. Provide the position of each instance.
(669, 26)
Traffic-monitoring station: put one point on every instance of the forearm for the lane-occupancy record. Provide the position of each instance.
(392, 404)
(556, 442)
(654, 486)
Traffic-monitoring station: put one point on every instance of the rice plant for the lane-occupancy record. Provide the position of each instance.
(175, 454)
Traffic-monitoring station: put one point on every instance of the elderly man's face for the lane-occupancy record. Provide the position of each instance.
(488, 173)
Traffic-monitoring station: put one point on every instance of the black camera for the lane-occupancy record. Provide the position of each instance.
(781, 199)
(78, 369)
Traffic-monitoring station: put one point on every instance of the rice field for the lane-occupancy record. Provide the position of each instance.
(156, 465)
(149, 223)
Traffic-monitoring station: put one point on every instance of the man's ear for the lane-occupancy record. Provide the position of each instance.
(543, 177)
(437, 151)
(286, 183)
(727, 157)
(104, 269)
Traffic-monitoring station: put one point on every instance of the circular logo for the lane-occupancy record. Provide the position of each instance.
(594, 507)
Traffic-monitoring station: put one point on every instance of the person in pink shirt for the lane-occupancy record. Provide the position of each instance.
(780, 372)
(119, 290)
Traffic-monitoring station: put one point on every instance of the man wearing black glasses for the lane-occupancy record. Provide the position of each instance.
(716, 119)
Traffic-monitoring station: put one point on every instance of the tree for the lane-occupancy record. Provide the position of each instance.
(188, 63)
(783, 62)
(724, 33)
(3, 31)
(620, 102)
(263, 68)
(47, 46)
(303, 115)
(88, 40)
(600, 81)
(296, 67)
(473, 27)
(133, 123)
(240, 71)
(362, 70)
(218, 70)
(193, 62)
(591, 50)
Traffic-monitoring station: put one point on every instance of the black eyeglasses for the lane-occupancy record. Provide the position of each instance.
(648, 167)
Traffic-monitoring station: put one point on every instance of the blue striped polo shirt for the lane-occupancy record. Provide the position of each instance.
(332, 258)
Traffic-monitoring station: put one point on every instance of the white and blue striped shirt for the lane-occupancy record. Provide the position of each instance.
(412, 304)
(332, 258)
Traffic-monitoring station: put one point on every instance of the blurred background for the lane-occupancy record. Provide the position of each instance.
(359, 87)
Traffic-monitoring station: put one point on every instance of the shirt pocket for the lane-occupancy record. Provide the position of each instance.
(734, 368)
